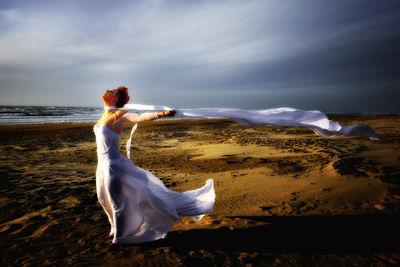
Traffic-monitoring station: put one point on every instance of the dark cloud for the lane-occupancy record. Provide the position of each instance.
(333, 56)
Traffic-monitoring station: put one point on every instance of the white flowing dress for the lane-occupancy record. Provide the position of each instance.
(138, 205)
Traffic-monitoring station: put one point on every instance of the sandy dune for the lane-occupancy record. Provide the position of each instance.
(309, 200)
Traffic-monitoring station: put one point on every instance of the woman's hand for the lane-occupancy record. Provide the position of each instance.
(168, 113)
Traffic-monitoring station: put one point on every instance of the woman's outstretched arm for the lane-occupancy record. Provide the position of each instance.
(148, 116)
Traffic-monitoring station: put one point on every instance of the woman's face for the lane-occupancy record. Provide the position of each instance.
(110, 97)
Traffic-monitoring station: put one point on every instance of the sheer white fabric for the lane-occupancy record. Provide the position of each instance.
(138, 205)
(314, 119)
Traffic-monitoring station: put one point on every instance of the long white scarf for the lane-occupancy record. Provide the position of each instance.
(314, 119)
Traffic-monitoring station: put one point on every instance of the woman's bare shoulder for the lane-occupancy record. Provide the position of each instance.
(121, 113)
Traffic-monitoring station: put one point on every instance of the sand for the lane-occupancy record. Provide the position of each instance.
(284, 195)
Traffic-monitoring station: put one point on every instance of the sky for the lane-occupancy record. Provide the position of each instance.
(334, 56)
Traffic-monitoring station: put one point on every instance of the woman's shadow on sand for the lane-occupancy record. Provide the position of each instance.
(293, 234)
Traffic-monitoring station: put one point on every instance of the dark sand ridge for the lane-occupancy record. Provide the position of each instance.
(310, 200)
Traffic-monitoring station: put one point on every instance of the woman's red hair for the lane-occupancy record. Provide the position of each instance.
(122, 88)
(123, 96)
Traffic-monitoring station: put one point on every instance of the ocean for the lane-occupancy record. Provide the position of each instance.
(47, 114)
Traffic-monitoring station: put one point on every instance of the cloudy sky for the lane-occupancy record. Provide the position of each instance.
(327, 55)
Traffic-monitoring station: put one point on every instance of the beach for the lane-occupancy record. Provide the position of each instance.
(284, 196)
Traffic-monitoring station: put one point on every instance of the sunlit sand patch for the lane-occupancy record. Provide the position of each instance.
(216, 151)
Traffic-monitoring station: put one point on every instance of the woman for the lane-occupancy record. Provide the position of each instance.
(138, 205)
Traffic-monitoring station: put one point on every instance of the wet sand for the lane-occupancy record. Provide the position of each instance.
(284, 195)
